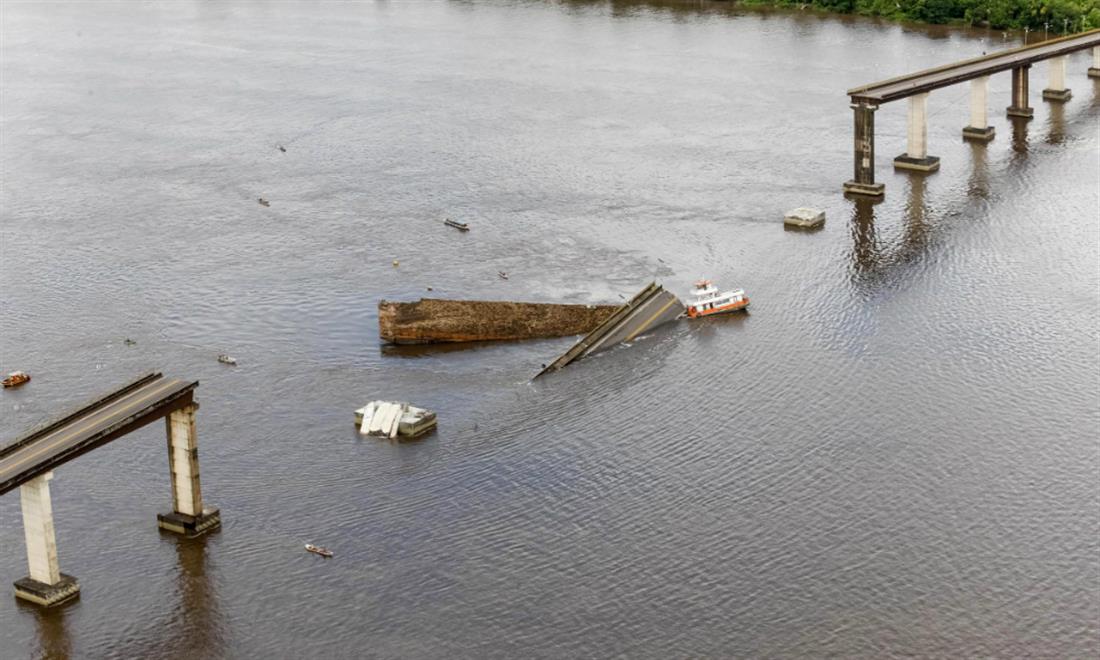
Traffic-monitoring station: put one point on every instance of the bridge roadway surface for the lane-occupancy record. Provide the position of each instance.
(128, 408)
(943, 76)
(651, 307)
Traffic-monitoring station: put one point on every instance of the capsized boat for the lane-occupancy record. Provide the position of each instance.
(389, 419)
(461, 226)
(16, 378)
(707, 300)
(318, 550)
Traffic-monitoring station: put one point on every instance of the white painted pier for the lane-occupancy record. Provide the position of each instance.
(46, 585)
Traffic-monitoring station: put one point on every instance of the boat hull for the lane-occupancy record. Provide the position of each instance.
(724, 309)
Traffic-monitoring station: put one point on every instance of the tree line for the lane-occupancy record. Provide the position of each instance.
(1056, 16)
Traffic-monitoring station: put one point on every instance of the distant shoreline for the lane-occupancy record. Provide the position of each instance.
(1010, 16)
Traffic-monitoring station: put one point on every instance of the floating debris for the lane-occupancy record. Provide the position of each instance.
(502, 275)
(461, 226)
(225, 359)
(16, 378)
(263, 202)
(429, 288)
(805, 218)
(281, 148)
(389, 419)
(396, 263)
(129, 342)
(318, 550)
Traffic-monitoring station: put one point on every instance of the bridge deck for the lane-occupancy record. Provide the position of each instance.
(651, 307)
(929, 79)
(112, 416)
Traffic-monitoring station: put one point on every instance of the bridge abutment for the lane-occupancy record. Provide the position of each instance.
(1094, 70)
(46, 585)
(188, 516)
(1056, 87)
(979, 129)
(1020, 107)
(863, 181)
(916, 155)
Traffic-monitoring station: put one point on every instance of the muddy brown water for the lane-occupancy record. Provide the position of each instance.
(893, 454)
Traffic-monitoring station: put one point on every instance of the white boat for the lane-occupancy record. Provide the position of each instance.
(389, 419)
(225, 359)
(707, 300)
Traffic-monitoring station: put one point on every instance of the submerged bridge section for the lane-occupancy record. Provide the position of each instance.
(28, 464)
(916, 87)
(651, 307)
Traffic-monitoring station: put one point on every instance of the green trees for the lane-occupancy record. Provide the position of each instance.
(1059, 16)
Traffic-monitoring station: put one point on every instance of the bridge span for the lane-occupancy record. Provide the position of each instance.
(916, 87)
(28, 464)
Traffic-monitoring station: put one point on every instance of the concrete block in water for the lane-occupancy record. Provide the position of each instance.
(804, 217)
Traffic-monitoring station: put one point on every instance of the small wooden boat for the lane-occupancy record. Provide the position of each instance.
(16, 378)
(225, 359)
(318, 550)
(502, 275)
(461, 226)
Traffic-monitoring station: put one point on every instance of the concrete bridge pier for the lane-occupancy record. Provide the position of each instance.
(1056, 89)
(46, 585)
(188, 516)
(1094, 70)
(863, 182)
(916, 155)
(979, 129)
(1020, 107)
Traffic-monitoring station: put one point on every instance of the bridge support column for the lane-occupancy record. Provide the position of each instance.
(979, 129)
(916, 155)
(46, 585)
(1020, 107)
(863, 182)
(188, 517)
(1056, 90)
(1094, 70)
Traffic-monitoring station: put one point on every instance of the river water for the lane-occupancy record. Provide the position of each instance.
(894, 454)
